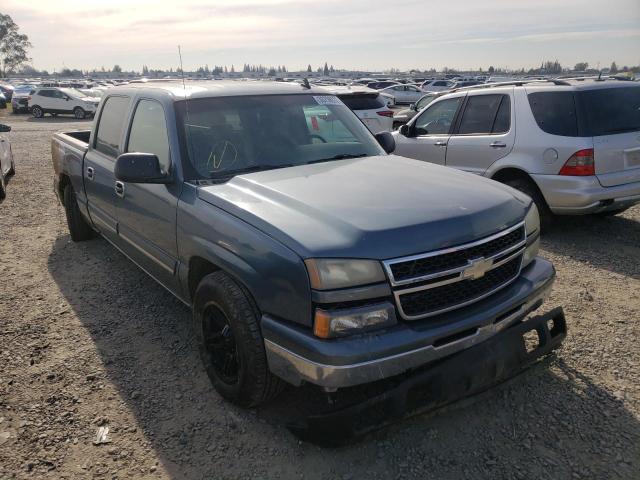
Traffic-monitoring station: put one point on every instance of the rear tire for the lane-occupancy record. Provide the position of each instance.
(12, 170)
(528, 187)
(3, 187)
(227, 331)
(79, 229)
(79, 113)
(37, 111)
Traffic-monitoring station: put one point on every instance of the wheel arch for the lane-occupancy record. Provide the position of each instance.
(506, 174)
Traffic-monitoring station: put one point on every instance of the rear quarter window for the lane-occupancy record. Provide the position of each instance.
(555, 112)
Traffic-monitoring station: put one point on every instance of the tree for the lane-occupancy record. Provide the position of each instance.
(613, 68)
(309, 69)
(325, 70)
(491, 69)
(581, 66)
(145, 70)
(233, 70)
(116, 69)
(13, 45)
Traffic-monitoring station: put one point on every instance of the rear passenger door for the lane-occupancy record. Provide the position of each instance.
(147, 212)
(99, 162)
(483, 134)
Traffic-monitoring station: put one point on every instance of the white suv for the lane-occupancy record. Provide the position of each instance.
(573, 146)
(55, 100)
(369, 105)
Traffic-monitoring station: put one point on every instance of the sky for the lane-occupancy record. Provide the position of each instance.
(349, 34)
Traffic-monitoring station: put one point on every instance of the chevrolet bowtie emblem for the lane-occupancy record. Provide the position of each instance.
(477, 268)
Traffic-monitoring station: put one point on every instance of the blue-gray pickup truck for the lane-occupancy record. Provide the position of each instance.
(306, 250)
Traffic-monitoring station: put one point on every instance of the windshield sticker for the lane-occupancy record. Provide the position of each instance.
(327, 100)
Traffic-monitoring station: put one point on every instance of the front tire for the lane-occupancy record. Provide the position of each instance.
(79, 113)
(227, 331)
(79, 229)
(37, 111)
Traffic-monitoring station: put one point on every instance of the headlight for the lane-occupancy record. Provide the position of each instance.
(329, 273)
(338, 323)
(532, 227)
(532, 220)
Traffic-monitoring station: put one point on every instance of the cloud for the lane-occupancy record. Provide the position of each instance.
(362, 33)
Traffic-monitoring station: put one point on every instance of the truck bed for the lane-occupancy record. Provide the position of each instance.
(67, 152)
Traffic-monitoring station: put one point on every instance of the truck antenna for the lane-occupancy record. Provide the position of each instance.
(187, 126)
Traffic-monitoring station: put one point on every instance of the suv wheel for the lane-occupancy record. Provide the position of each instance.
(79, 229)
(37, 112)
(528, 187)
(227, 331)
(3, 187)
(79, 113)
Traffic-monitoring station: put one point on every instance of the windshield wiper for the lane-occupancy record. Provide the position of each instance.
(251, 169)
(340, 156)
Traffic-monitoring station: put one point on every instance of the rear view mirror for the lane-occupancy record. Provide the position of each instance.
(4, 128)
(386, 141)
(140, 168)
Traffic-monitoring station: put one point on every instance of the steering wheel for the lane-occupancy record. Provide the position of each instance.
(319, 137)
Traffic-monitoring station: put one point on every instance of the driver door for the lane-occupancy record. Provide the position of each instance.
(429, 132)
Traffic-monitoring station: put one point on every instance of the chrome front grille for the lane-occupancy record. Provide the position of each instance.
(435, 282)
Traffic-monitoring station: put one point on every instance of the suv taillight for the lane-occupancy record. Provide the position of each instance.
(579, 164)
(385, 113)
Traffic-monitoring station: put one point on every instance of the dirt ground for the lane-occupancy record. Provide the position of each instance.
(87, 340)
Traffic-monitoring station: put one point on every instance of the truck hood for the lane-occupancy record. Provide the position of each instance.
(374, 207)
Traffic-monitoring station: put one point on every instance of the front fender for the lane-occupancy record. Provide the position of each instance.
(273, 274)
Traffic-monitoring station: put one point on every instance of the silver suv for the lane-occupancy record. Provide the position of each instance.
(571, 145)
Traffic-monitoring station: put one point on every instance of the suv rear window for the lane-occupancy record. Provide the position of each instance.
(362, 102)
(555, 112)
(611, 110)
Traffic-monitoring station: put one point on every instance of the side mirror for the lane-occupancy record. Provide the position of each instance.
(405, 130)
(413, 107)
(386, 141)
(140, 168)
(4, 128)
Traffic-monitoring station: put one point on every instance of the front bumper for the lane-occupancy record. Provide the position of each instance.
(568, 195)
(295, 355)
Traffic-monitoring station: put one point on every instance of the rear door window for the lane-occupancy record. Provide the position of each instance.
(109, 131)
(555, 112)
(608, 111)
(480, 114)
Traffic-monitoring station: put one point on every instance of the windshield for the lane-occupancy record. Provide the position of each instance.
(226, 136)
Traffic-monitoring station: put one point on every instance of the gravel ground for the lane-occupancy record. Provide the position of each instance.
(87, 341)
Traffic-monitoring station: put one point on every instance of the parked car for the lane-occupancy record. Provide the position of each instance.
(3, 101)
(379, 85)
(437, 85)
(20, 98)
(7, 166)
(403, 116)
(7, 91)
(304, 257)
(404, 93)
(368, 104)
(61, 100)
(571, 146)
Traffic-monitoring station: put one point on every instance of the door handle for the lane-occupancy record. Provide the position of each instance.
(90, 173)
(119, 188)
(440, 143)
(498, 145)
